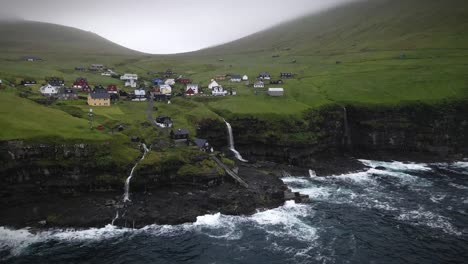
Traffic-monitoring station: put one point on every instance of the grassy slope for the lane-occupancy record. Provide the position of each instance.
(366, 37)
(36, 37)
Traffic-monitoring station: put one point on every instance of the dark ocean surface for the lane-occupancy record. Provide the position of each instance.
(407, 213)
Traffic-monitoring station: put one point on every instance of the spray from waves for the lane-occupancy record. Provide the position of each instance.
(433, 220)
(372, 189)
(397, 165)
(16, 241)
(285, 222)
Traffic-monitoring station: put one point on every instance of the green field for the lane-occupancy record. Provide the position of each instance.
(372, 52)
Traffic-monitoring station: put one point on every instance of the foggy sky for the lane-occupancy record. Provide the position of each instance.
(170, 26)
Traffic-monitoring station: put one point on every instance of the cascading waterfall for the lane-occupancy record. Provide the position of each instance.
(127, 182)
(231, 143)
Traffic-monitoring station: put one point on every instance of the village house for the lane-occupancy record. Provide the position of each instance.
(180, 134)
(55, 81)
(31, 58)
(130, 79)
(245, 78)
(183, 80)
(213, 84)
(275, 91)
(276, 82)
(96, 67)
(236, 78)
(264, 76)
(164, 122)
(48, 90)
(170, 82)
(158, 81)
(157, 95)
(286, 75)
(99, 98)
(192, 89)
(259, 84)
(165, 89)
(82, 84)
(168, 73)
(106, 74)
(139, 95)
(67, 94)
(203, 145)
(80, 68)
(112, 89)
(220, 77)
(28, 82)
(218, 91)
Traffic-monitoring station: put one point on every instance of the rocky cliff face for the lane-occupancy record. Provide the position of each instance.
(337, 131)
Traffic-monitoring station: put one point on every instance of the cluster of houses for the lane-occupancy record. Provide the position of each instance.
(161, 90)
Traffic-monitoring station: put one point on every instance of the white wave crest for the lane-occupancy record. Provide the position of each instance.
(430, 219)
(397, 165)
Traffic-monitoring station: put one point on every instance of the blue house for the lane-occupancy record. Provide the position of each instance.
(158, 81)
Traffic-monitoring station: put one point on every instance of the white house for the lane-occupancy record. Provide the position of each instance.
(130, 79)
(192, 89)
(140, 95)
(165, 89)
(259, 84)
(275, 91)
(218, 91)
(49, 90)
(213, 84)
(245, 78)
(169, 82)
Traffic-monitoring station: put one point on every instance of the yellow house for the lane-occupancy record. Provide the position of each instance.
(99, 99)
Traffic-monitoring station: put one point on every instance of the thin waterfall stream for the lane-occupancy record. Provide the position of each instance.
(231, 143)
(127, 182)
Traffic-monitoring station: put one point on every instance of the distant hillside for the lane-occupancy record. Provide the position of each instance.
(364, 25)
(37, 37)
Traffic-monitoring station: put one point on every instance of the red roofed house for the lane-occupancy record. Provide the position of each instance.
(112, 89)
(184, 80)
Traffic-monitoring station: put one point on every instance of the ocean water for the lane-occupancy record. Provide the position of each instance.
(408, 213)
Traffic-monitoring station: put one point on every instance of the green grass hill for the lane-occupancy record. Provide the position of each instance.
(379, 52)
(36, 37)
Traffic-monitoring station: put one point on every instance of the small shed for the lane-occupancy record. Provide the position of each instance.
(275, 91)
(180, 134)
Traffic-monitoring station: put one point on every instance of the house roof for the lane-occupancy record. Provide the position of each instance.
(200, 142)
(275, 89)
(67, 91)
(99, 95)
(181, 131)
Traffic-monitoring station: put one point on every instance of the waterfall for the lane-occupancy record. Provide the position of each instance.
(347, 136)
(231, 143)
(312, 174)
(115, 218)
(127, 182)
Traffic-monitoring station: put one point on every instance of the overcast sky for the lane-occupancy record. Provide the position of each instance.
(169, 26)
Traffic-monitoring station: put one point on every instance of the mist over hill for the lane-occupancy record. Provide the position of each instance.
(36, 37)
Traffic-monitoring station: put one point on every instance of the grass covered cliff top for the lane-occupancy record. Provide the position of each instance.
(370, 52)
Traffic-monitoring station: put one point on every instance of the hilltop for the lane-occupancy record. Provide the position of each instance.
(362, 26)
(33, 37)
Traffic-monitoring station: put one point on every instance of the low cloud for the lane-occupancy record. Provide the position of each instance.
(156, 26)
